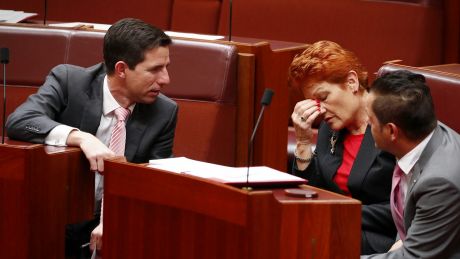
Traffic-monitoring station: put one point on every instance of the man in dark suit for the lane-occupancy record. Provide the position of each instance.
(76, 106)
(426, 182)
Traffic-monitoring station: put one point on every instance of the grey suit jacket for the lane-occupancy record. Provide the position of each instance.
(432, 206)
(72, 96)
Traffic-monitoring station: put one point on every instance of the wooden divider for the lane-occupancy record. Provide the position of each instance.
(272, 60)
(41, 190)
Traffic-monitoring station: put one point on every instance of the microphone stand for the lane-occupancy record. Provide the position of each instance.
(250, 151)
(4, 61)
(266, 100)
(230, 20)
(46, 12)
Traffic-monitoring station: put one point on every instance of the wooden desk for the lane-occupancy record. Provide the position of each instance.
(41, 190)
(157, 214)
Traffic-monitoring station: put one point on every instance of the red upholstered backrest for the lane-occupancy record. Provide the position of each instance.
(445, 90)
(202, 71)
(85, 48)
(33, 52)
(203, 82)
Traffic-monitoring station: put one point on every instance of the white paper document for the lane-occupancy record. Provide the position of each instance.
(11, 16)
(193, 35)
(258, 175)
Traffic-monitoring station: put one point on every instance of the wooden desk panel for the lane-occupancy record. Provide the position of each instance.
(157, 214)
(41, 190)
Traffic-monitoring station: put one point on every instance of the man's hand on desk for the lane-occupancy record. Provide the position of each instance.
(94, 150)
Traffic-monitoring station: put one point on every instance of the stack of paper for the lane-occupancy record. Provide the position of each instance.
(193, 35)
(10, 16)
(259, 175)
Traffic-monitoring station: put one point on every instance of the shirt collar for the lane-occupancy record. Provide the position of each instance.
(407, 162)
(109, 104)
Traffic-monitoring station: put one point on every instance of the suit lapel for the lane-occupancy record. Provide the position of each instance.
(432, 145)
(135, 127)
(364, 160)
(416, 172)
(92, 112)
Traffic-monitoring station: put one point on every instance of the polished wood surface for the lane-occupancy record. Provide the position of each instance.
(151, 213)
(41, 190)
(245, 112)
(453, 68)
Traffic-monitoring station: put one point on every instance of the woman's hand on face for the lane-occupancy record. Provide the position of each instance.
(305, 113)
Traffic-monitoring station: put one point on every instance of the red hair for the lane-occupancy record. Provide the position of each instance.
(326, 61)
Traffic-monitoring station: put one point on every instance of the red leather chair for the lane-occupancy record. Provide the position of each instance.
(445, 89)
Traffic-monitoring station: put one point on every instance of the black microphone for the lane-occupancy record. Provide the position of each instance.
(230, 6)
(5, 55)
(4, 59)
(266, 100)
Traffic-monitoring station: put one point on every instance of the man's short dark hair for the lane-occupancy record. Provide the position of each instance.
(128, 39)
(403, 98)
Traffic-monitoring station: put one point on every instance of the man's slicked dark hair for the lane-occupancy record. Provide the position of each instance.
(128, 39)
(403, 98)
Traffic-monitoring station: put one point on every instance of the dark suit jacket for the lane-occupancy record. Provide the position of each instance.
(72, 96)
(369, 182)
(432, 206)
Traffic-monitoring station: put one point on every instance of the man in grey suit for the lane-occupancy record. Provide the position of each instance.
(403, 123)
(76, 106)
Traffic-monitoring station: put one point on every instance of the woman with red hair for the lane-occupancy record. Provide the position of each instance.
(345, 159)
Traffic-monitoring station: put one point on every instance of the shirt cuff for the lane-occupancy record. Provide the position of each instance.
(58, 135)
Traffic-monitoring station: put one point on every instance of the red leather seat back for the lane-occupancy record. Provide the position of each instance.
(203, 82)
(445, 90)
(33, 52)
(85, 48)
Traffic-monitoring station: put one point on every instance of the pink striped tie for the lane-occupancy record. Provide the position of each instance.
(396, 202)
(118, 139)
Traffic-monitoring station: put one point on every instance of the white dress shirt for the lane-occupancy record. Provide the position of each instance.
(407, 162)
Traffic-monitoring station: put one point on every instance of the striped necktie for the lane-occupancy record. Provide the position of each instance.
(397, 203)
(118, 138)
